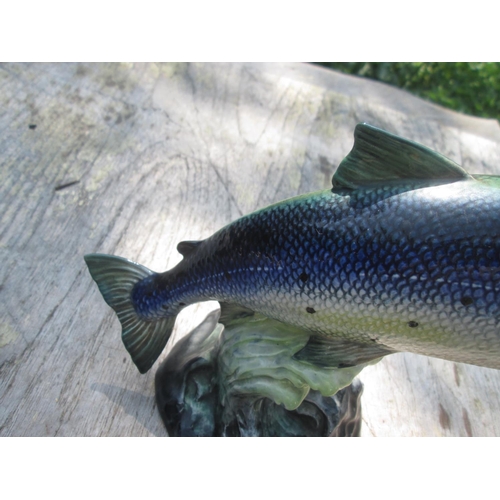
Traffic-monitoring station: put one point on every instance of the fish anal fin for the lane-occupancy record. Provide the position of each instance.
(379, 156)
(338, 353)
(231, 313)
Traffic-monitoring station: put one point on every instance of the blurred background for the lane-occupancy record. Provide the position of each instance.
(471, 88)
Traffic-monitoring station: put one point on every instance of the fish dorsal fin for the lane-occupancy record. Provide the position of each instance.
(186, 248)
(379, 156)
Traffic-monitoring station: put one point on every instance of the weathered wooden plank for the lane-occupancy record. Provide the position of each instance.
(131, 159)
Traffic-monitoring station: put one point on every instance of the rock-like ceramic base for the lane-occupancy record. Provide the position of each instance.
(191, 403)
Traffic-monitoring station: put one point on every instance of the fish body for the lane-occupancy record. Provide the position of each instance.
(402, 254)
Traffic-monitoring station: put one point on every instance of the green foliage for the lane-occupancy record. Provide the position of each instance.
(472, 88)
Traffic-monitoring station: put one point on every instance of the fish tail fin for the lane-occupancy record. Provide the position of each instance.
(143, 338)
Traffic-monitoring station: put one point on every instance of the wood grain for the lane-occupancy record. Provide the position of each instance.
(130, 159)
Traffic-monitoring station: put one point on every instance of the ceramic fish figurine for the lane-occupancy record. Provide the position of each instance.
(401, 254)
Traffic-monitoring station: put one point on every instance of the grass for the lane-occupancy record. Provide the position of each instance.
(471, 88)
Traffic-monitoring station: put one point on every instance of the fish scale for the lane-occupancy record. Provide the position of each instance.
(392, 257)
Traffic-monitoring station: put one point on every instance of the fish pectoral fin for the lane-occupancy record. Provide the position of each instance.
(378, 156)
(231, 313)
(337, 353)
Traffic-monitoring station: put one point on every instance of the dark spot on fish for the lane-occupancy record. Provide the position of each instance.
(303, 277)
(227, 276)
(32, 126)
(182, 304)
(467, 301)
(124, 360)
(345, 365)
(65, 185)
(310, 310)
(468, 427)
(412, 324)
(444, 418)
(375, 339)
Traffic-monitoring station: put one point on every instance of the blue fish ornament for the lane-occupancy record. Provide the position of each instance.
(401, 254)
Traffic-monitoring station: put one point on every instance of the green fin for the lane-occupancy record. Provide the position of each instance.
(186, 248)
(337, 353)
(116, 277)
(379, 156)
